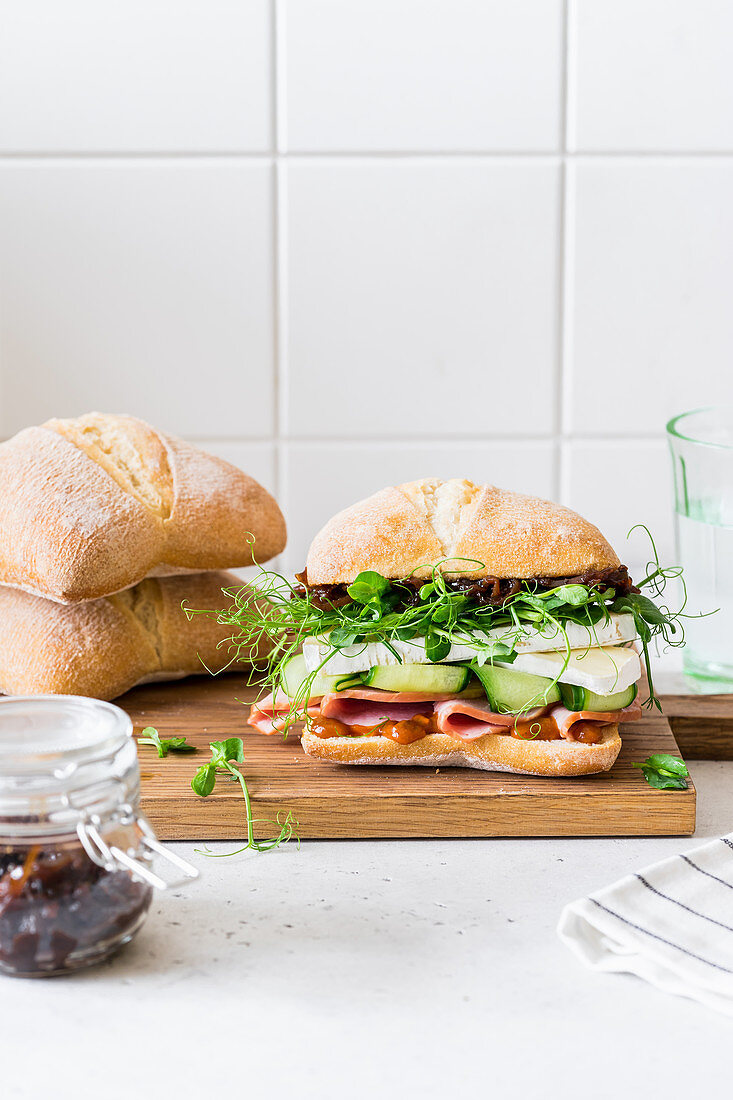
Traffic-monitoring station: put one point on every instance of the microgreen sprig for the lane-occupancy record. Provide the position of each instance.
(652, 620)
(225, 755)
(164, 745)
(664, 772)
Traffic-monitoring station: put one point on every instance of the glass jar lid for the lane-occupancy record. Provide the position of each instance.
(62, 758)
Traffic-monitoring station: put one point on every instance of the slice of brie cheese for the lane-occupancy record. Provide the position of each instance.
(601, 670)
(364, 655)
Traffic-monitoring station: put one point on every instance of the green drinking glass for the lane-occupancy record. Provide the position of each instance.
(701, 444)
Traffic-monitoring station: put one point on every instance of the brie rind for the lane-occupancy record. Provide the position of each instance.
(357, 658)
(601, 670)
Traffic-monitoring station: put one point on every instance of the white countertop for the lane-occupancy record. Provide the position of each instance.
(372, 969)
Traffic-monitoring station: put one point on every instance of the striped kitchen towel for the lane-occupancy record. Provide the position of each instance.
(672, 924)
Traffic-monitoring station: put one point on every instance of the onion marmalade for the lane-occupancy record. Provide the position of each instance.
(59, 910)
(76, 876)
(404, 732)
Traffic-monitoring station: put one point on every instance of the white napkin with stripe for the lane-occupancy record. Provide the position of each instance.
(671, 924)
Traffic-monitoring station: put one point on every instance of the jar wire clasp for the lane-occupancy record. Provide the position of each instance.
(111, 857)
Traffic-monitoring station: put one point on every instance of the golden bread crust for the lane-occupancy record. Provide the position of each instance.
(383, 532)
(91, 506)
(410, 528)
(494, 752)
(102, 648)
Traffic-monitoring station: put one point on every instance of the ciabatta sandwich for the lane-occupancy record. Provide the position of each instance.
(447, 623)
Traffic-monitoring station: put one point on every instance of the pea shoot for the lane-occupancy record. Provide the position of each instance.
(164, 745)
(664, 772)
(225, 756)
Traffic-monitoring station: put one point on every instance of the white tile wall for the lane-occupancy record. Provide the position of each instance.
(652, 271)
(137, 285)
(652, 75)
(421, 297)
(347, 242)
(135, 76)
(422, 74)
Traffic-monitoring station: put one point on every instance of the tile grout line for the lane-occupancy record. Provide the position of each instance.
(275, 235)
(561, 265)
(489, 155)
(400, 443)
(568, 375)
(564, 395)
(569, 127)
(279, 46)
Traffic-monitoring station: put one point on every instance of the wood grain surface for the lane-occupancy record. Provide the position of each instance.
(702, 725)
(332, 801)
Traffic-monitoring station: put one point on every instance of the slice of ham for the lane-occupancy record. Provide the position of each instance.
(367, 706)
(566, 719)
(269, 715)
(355, 707)
(469, 719)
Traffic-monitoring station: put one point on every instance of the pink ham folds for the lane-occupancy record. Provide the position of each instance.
(269, 715)
(367, 706)
(566, 719)
(469, 719)
(357, 707)
(462, 719)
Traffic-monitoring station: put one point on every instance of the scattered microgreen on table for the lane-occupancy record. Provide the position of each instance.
(164, 745)
(664, 772)
(225, 755)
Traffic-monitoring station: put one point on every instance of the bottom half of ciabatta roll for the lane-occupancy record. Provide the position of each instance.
(493, 752)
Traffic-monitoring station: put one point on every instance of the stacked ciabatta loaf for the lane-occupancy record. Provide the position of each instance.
(98, 515)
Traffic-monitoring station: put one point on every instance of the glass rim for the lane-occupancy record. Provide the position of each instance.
(673, 430)
(117, 730)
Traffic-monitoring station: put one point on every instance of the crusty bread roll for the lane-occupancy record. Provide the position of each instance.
(104, 647)
(91, 506)
(493, 752)
(409, 528)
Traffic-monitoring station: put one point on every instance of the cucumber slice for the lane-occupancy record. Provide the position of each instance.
(508, 690)
(572, 696)
(578, 698)
(294, 673)
(441, 679)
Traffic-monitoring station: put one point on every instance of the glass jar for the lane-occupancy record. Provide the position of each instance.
(76, 875)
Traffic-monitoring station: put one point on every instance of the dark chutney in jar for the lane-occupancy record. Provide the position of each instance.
(59, 910)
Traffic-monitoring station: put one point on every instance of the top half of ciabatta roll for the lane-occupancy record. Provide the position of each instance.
(442, 622)
(466, 529)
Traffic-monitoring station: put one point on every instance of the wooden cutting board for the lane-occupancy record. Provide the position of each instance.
(702, 725)
(333, 801)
